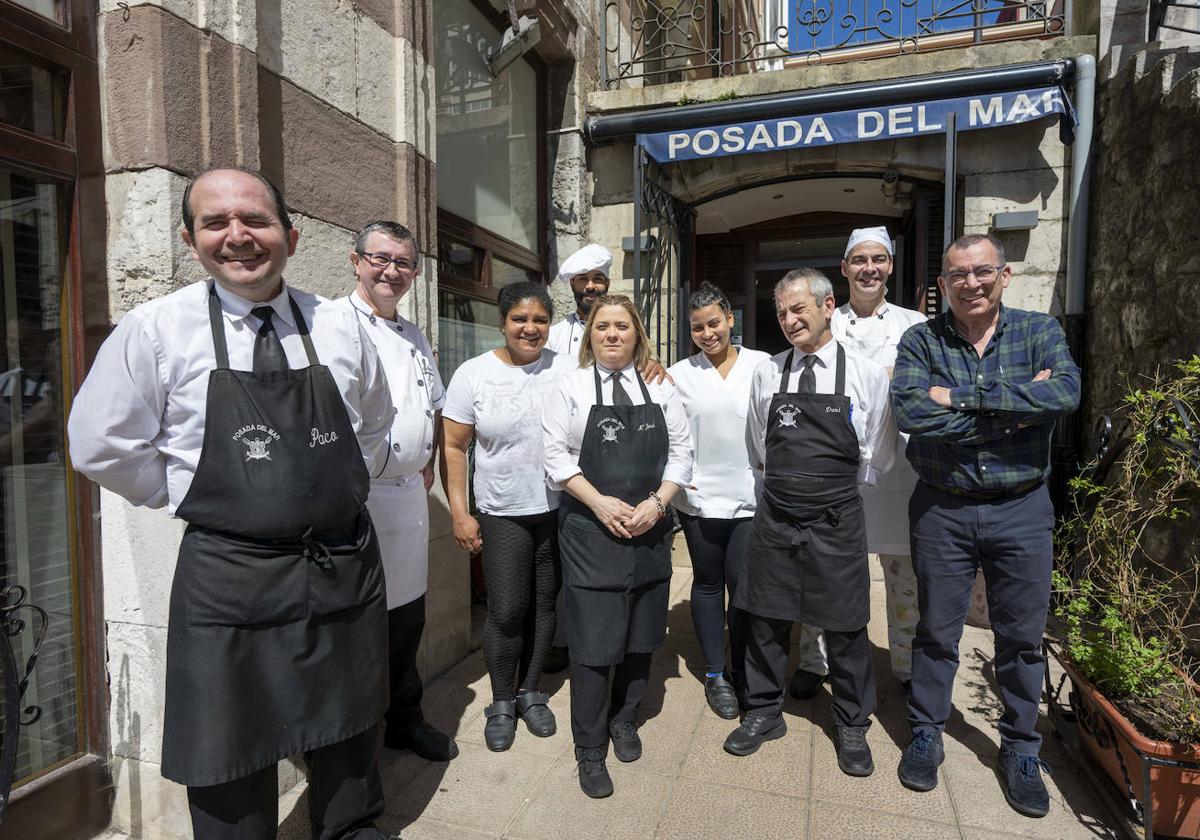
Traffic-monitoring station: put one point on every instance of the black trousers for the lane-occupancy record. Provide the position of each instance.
(851, 673)
(406, 623)
(718, 550)
(595, 700)
(344, 797)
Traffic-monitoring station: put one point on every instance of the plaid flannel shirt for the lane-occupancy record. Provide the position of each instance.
(995, 439)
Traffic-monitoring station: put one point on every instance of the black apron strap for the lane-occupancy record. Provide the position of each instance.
(839, 386)
(217, 324)
(787, 372)
(302, 328)
(645, 392)
(599, 391)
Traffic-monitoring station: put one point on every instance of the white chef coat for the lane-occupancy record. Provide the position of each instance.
(137, 423)
(565, 336)
(398, 502)
(565, 420)
(867, 386)
(875, 336)
(504, 403)
(885, 504)
(726, 484)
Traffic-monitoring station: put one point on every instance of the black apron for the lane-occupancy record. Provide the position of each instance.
(616, 591)
(277, 639)
(807, 557)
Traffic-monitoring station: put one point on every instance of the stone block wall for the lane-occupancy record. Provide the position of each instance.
(332, 99)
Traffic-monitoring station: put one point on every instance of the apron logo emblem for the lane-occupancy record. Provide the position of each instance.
(610, 428)
(787, 415)
(256, 447)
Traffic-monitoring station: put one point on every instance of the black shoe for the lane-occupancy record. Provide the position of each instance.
(593, 774)
(423, 740)
(920, 762)
(627, 745)
(853, 751)
(501, 726)
(1021, 779)
(755, 729)
(531, 706)
(907, 686)
(721, 697)
(805, 684)
(557, 659)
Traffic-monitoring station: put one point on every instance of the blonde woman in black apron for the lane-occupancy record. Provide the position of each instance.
(820, 423)
(620, 449)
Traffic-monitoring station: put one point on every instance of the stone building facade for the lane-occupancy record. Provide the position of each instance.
(345, 104)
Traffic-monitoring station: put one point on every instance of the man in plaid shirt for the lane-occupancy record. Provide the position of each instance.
(978, 390)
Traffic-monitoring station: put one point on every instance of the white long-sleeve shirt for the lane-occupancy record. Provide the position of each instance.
(137, 424)
(564, 422)
(566, 335)
(725, 485)
(867, 386)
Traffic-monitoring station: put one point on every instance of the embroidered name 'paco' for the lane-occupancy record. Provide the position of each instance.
(320, 438)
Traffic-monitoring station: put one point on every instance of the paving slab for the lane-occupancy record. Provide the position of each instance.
(833, 821)
(705, 809)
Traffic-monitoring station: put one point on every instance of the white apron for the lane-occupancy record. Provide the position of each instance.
(400, 510)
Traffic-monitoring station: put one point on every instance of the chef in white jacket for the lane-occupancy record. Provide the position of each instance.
(871, 326)
(386, 261)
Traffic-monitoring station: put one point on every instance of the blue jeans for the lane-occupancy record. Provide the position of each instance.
(1010, 538)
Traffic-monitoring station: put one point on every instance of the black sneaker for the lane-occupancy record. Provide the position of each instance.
(1021, 779)
(755, 729)
(922, 757)
(627, 745)
(593, 774)
(721, 697)
(805, 684)
(853, 752)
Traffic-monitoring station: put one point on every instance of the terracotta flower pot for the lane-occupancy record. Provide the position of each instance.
(1114, 743)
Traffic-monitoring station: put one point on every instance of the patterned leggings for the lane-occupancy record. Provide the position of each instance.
(522, 572)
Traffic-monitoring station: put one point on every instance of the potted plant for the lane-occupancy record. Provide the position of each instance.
(1127, 600)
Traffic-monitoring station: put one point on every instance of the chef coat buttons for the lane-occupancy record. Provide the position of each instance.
(420, 382)
(428, 413)
(428, 447)
(395, 447)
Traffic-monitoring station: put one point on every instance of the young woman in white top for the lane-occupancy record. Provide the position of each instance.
(621, 449)
(716, 511)
(496, 399)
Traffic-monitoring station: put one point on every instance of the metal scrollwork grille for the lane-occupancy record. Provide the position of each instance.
(14, 679)
(648, 42)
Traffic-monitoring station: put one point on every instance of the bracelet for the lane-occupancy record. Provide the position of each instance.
(662, 509)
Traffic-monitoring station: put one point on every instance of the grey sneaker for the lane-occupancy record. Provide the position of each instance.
(853, 751)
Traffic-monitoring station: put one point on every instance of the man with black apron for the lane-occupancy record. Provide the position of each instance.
(252, 411)
(820, 423)
(631, 459)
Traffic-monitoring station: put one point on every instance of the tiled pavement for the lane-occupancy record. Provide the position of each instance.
(686, 786)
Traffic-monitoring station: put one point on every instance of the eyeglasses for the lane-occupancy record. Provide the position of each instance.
(860, 260)
(984, 275)
(383, 261)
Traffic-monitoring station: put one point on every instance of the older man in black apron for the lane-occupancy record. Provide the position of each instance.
(277, 638)
(819, 421)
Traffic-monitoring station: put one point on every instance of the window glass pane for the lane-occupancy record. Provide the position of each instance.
(34, 533)
(504, 273)
(456, 258)
(47, 8)
(487, 128)
(32, 95)
(466, 327)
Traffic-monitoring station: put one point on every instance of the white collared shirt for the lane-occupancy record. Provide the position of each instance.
(504, 404)
(725, 483)
(867, 386)
(566, 335)
(414, 382)
(137, 423)
(565, 421)
(875, 336)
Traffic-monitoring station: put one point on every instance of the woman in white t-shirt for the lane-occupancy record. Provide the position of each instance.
(496, 399)
(716, 510)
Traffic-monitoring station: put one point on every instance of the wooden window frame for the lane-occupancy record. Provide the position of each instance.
(74, 797)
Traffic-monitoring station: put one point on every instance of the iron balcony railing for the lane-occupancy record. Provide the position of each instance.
(648, 42)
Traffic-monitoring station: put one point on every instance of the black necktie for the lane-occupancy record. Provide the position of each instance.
(268, 352)
(808, 377)
(619, 395)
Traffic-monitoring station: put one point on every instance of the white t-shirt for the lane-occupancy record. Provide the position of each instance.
(726, 483)
(504, 403)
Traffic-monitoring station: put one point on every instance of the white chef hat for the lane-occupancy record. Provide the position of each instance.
(588, 258)
(873, 234)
